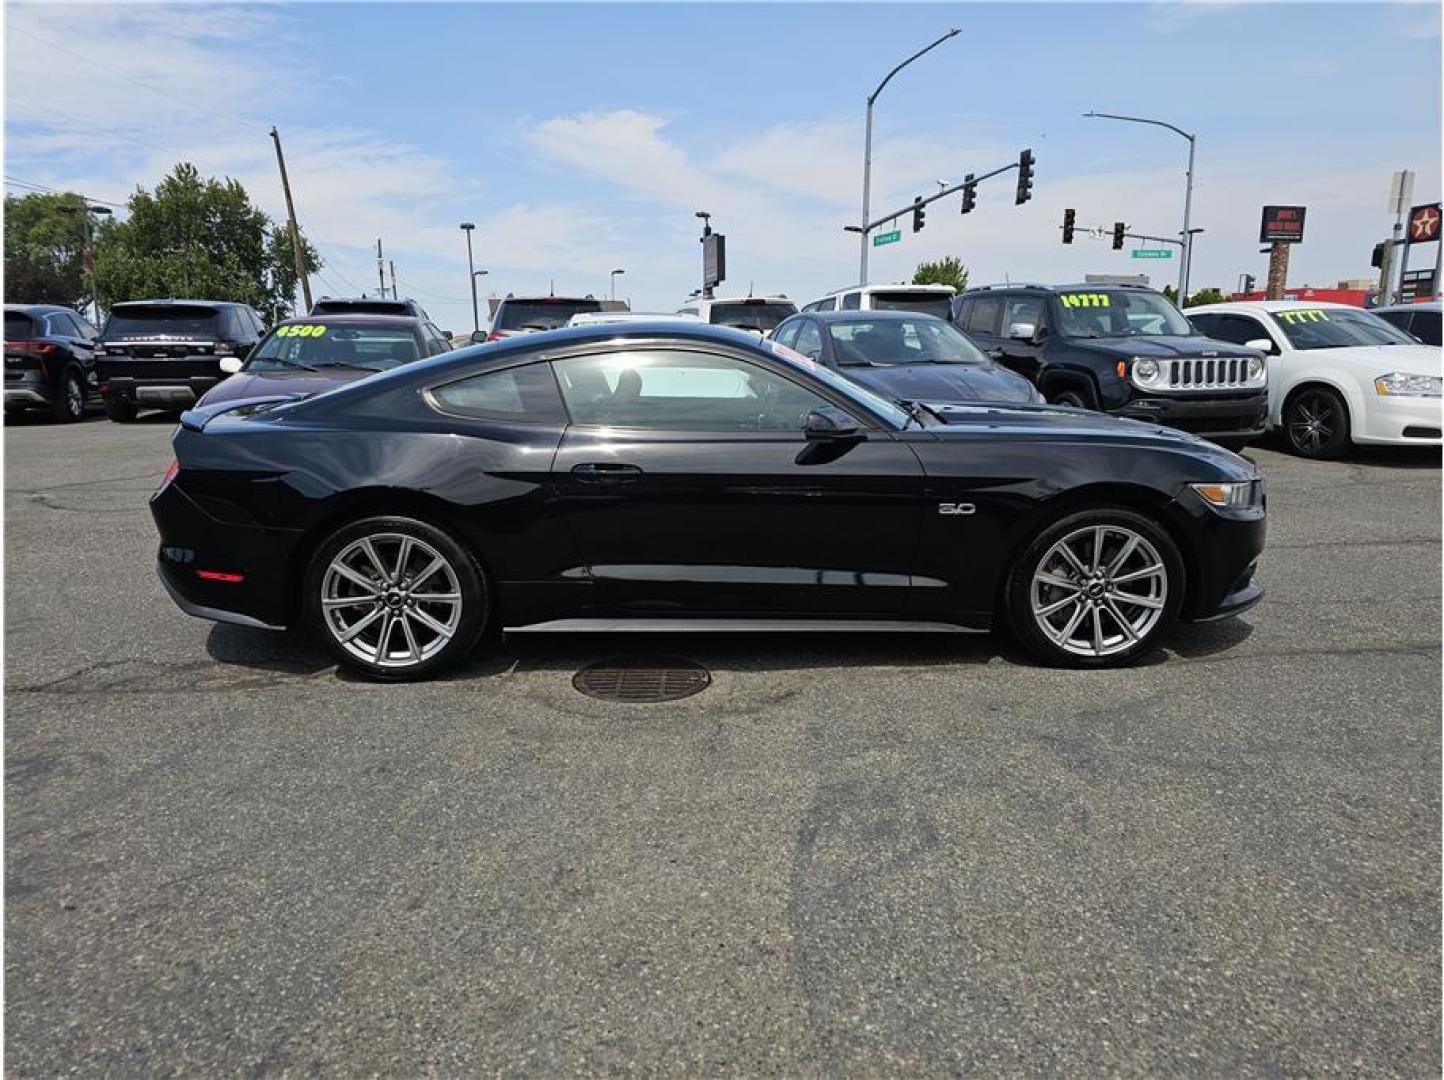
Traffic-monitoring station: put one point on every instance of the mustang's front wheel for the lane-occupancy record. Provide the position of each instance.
(1096, 588)
(395, 598)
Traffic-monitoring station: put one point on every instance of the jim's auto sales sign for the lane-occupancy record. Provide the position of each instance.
(1282, 223)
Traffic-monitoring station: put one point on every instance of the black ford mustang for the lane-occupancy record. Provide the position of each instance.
(680, 478)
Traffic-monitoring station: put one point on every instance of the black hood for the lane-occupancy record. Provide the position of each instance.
(943, 382)
(1166, 348)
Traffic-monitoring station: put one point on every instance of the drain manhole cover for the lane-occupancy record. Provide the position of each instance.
(641, 679)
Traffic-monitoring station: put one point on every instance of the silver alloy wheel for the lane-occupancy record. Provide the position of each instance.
(391, 599)
(74, 397)
(1099, 590)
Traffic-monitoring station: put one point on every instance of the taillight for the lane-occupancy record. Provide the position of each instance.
(495, 336)
(36, 348)
(169, 475)
(218, 575)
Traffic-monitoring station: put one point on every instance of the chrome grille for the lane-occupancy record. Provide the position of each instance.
(1207, 374)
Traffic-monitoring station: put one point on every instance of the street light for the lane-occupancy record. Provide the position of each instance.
(87, 254)
(467, 227)
(1185, 265)
(612, 279)
(867, 150)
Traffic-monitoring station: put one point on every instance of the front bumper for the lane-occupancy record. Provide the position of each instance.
(1401, 421)
(1240, 417)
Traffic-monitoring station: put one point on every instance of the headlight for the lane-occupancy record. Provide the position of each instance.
(1232, 495)
(1397, 384)
(1255, 368)
(1145, 371)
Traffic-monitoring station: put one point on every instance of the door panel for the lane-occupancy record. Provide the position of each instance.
(742, 523)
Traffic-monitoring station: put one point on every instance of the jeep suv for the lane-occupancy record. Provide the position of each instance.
(165, 354)
(1120, 349)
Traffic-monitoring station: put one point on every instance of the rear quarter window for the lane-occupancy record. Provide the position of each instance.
(527, 394)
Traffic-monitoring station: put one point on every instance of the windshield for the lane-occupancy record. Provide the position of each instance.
(751, 314)
(318, 345)
(880, 406)
(1337, 328)
(169, 320)
(923, 340)
(545, 314)
(18, 326)
(929, 303)
(1119, 313)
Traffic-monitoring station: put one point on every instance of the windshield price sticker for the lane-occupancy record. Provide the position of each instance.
(1309, 315)
(1085, 299)
(300, 331)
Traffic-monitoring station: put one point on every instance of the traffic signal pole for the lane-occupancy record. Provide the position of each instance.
(919, 202)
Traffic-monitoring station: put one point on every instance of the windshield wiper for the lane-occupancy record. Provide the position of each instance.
(345, 364)
(915, 410)
(290, 363)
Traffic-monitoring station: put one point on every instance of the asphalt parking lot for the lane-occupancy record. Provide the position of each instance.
(849, 855)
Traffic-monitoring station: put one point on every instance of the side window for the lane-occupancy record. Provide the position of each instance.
(851, 301)
(687, 311)
(1237, 329)
(983, 318)
(525, 394)
(809, 340)
(1426, 327)
(1203, 323)
(960, 311)
(1020, 312)
(788, 331)
(435, 343)
(677, 390)
(830, 304)
(83, 329)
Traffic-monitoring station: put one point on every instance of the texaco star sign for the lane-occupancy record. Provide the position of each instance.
(1424, 224)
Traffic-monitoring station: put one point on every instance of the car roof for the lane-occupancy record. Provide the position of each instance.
(896, 286)
(39, 309)
(756, 298)
(178, 302)
(360, 318)
(1039, 286)
(542, 298)
(1427, 305)
(1273, 305)
(887, 315)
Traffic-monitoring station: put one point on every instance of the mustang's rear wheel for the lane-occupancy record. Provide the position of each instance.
(396, 598)
(1096, 588)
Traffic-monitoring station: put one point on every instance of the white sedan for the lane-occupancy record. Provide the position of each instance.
(1337, 375)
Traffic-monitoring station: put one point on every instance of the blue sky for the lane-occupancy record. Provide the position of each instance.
(581, 138)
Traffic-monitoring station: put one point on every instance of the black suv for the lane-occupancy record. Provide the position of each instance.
(164, 354)
(49, 360)
(1120, 349)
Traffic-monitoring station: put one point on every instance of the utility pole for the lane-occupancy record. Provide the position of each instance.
(392, 264)
(867, 153)
(380, 268)
(294, 228)
(1401, 193)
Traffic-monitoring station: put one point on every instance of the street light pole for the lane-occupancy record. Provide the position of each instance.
(87, 251)
(1185, 264)
(467, 227)
(613, 281)
(867, 151)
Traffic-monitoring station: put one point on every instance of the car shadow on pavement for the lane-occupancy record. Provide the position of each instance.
(292, 652)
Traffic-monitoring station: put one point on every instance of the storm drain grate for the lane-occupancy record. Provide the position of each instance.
(642, 679)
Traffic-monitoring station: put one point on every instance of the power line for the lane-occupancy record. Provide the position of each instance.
(15, 181)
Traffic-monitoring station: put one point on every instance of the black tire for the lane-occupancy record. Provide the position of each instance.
(1166, 585)
(67, 404)
(1071, 396)
(119, 410)
(1316, 424)
(399, 619)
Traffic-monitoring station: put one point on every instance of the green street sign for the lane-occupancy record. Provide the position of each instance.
(887, 238)
(1153, 253)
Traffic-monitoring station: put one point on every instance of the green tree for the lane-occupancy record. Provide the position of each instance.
(198, 237)
(42, 250)
(1210, 295)
(948, 270)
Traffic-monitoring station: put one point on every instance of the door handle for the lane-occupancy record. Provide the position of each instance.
(606, 472)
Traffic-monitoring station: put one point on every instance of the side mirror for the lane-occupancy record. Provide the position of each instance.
(478, 337)
(1022, 331)
(231, 364)
(1262, 344)
(829, 422)
(446, 334)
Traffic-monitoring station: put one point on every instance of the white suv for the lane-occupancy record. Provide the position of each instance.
(760, 314)
(926, 299)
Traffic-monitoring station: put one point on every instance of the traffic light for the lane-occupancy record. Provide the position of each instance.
(1119, 228)
(1377, 259)
(919, 213)
(1248, 283)
(970, 193)
(1068, 217)
(1025, 177)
